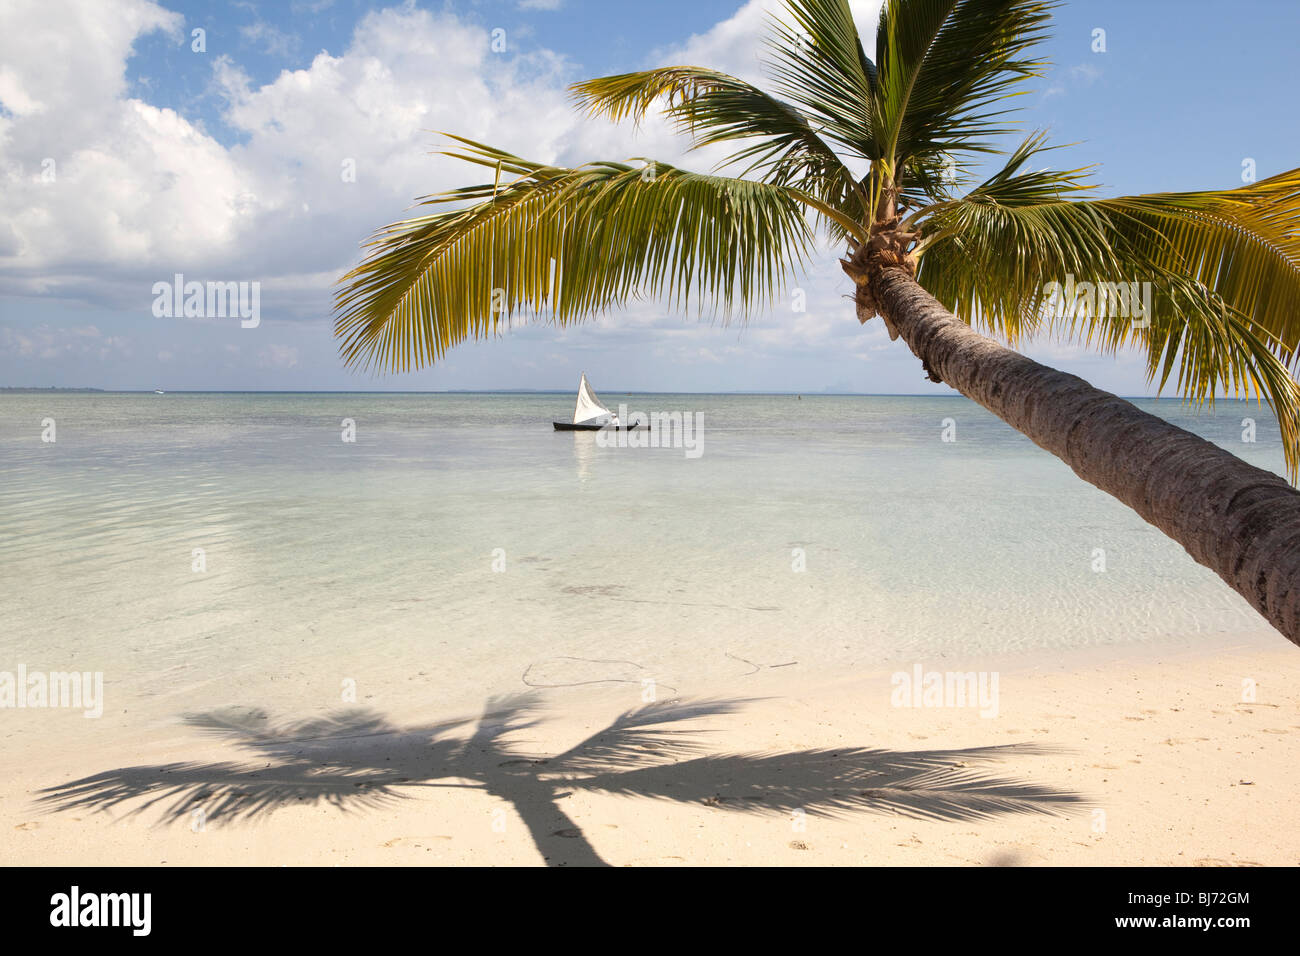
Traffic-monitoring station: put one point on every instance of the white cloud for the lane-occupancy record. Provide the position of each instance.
(327, 153)
(324, 155)
(53, 342)
(278, 356)
(93, 177)
(1086, 73)
(1079, 75)
(270, 39)
(736, 45)
(140, 192)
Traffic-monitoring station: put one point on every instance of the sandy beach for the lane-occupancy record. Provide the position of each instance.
(728, 665)
(1146, 756)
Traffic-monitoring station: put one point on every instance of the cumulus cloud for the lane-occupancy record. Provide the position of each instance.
(317, 158)
(278, 356)
(105, 192)
(269, 39)
(736, 45)
(95, 180)
(320, 156)
(48, 342)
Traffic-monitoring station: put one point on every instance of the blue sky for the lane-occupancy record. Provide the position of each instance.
(225, 164)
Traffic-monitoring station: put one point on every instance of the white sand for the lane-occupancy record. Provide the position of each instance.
(1171, 767)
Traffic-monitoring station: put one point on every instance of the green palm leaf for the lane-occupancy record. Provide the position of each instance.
(942, 65)
(1242, 244)
(713, 107)
(568, 242)
(1218, 265)
(818, 62)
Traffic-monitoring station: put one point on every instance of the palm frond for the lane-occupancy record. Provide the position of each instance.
(988, 255)
(943, 64)
(712, 107)
(1216, 349)
(924, 785)
(566, 244)
(1242, 244)
(816, 59)
(660, 732)
(994, 255)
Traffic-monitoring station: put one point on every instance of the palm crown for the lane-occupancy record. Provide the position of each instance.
(569, 243)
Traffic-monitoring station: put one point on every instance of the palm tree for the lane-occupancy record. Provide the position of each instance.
(931, 249)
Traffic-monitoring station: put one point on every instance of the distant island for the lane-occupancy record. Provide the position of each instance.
(48, 388)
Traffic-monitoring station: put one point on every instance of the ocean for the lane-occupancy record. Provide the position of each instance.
(204, 550)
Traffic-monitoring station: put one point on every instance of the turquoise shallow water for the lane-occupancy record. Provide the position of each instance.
(373, 561)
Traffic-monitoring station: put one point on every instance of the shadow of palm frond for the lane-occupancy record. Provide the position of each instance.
(930, 785)
(358, 760)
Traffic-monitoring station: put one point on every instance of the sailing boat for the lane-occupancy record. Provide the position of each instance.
(589, 415)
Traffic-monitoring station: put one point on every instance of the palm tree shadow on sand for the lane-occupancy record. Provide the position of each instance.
(356, 760)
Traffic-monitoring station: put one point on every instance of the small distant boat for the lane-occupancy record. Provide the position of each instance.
(159, 391)
(589, 415)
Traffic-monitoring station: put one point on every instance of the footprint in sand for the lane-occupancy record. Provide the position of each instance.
(655, 860)
(1212, 861)
(411, 841)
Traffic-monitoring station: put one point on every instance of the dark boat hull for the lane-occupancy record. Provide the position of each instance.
(570, 427)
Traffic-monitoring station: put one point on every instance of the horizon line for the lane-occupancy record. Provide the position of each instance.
(235, 390)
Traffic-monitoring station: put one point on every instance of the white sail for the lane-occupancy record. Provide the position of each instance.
(589, 409)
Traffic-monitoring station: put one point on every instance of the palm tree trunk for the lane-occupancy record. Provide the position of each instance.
(1238, 520)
